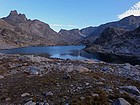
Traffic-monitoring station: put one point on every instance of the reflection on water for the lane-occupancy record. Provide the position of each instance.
(77, 55)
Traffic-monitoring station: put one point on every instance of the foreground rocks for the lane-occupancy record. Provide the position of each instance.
(121, 101)
(28, 79)
(131, 89)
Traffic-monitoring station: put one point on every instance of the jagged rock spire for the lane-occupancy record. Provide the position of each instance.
(14, 16)
(14, 12)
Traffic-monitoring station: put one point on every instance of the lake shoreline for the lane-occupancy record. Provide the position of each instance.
(74, 52)
(126, 58)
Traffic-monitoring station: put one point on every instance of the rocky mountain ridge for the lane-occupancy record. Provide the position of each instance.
(21, 32)
(110, 41)
(108, 35)
(128, 23)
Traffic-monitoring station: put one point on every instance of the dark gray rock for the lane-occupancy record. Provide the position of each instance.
(33, 70)
(66, 76)
(30, 103)
(121, 101)
(48, 94)
(131, 89)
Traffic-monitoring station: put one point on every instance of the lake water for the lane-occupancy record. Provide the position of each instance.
(63, 52)
(71, 52)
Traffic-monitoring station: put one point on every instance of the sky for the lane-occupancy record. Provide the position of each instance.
(69, 14)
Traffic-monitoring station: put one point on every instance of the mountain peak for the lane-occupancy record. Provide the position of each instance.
(14, 12)
(131, 17)
(14, 16)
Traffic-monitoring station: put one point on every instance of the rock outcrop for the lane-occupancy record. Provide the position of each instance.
(121, 101)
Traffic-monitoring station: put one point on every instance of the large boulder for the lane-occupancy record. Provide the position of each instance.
(131, 89)
(121, 101)
(82, 69)
(1, 77)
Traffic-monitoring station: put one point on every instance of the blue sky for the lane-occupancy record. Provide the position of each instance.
(68, 14)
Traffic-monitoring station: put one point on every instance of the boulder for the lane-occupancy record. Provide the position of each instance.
(127, 66)
(30, 103)
(8, 99)
(38, 58)
(95, 95)
(66, 76)
(82, 98)
(23, 58)
(48, 94)
(25, 94)
(99, 83)
(138, 98)
(33, 70)
(107, 69)
(70, 68)
(131, 89)
(1, 77)
(82, 69)
(121, 101)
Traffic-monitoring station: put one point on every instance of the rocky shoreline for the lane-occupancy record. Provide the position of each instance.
(35, 80)
(123, 57)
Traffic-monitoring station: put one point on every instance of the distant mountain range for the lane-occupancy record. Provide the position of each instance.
(129, 23)
(18, 31)
(91, 33)
(76, 35)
